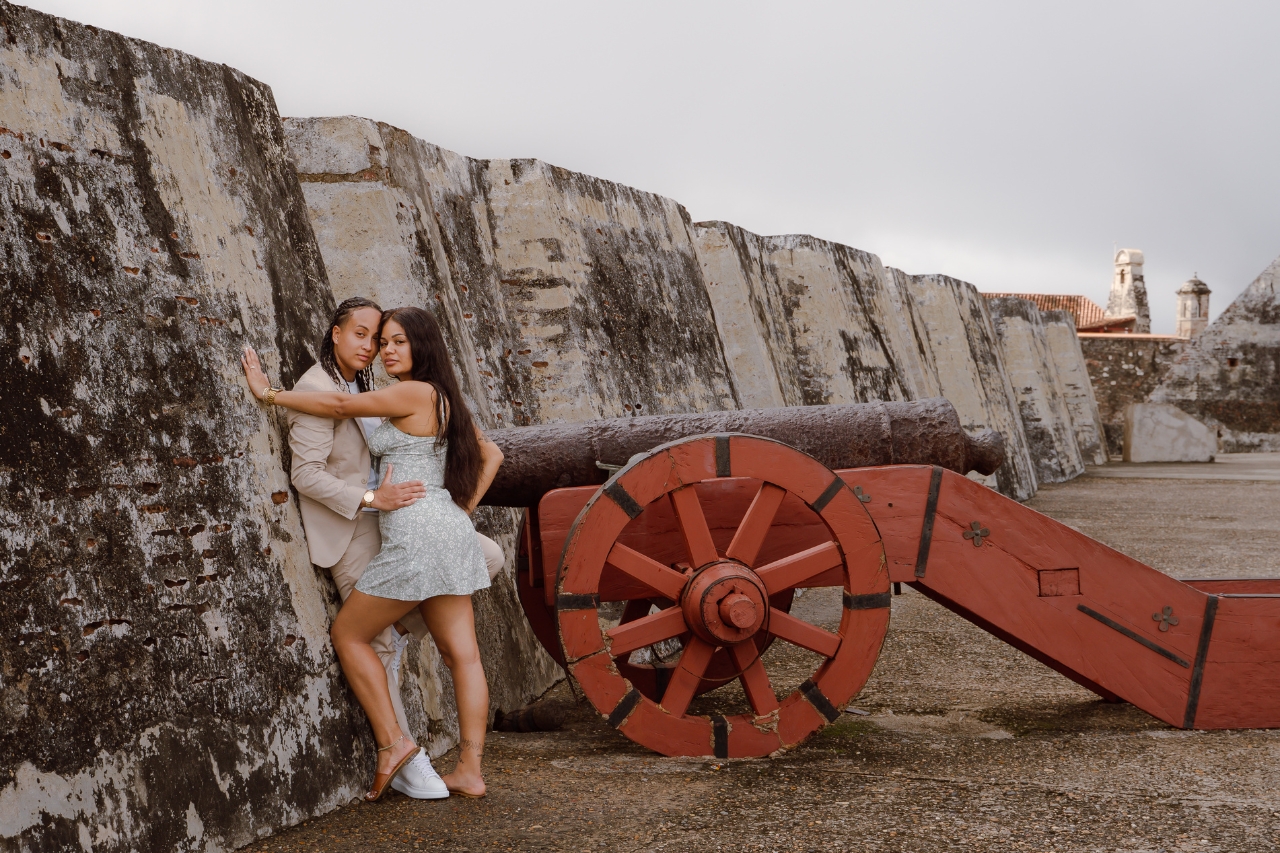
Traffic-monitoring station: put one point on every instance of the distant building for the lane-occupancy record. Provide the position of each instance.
(1224, 374)
(1128, 297)
(1127, 311)
(1193, 308)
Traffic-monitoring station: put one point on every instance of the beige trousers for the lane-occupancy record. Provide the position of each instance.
(366, 542)
(493, 557)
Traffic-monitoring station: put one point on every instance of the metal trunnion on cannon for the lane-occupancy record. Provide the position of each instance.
(664, 554)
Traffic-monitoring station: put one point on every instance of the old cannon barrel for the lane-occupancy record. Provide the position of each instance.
(922, 432)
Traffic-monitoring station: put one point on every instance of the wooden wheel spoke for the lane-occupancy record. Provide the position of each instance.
(693, 524)
(646, 631)
(662, 580)
(754, 678)
(793, 571)
(687, 676)
(755, 525)
(801, 633)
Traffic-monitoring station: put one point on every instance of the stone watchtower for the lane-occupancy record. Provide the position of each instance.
(1129, 291)
(1193, 308)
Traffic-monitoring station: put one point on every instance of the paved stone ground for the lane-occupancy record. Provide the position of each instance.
(1228, 466)
(968, 745)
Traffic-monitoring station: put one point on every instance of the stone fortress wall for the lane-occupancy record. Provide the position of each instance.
(165, 672)
(1028, 358)
(166, 676)
(584, 298)
(807, 321)
(1068, 359)
(1226, 376)
(1126, 369)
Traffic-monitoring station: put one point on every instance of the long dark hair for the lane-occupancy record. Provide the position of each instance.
(462, 462)
(364, 378)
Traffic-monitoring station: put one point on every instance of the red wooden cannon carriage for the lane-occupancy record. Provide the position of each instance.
(675, 575)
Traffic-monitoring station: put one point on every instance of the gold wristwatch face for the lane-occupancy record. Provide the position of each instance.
(368, 498)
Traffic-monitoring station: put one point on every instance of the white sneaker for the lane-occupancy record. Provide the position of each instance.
(420, 780)
(402, 643)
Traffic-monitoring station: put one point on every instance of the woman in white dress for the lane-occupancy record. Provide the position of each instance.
(430, 558)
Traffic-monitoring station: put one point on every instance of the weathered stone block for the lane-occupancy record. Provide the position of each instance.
(167, 678)
(1029, 364)
(1068, 359)
(1159, 432)
(579, 298)
(750, 317)
(807, 322)
(954, 324)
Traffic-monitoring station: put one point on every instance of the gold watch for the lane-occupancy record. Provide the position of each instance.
(368, 498)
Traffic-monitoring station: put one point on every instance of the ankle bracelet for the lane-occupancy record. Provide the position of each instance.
(390, 745)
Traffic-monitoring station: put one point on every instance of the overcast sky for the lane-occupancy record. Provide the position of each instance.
(1008, 144)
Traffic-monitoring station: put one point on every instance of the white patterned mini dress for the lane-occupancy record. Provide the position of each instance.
(429, 548)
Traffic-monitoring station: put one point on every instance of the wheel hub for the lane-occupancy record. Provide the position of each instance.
(725, 603)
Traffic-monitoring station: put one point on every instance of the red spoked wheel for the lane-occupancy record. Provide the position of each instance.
(718, 612)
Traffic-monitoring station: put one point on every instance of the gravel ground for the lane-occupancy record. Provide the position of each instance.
(967, 745)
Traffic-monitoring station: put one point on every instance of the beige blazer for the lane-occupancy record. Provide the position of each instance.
(330, 472)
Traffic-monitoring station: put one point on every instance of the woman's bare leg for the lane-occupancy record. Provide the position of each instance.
(452, 625)
(362, 618)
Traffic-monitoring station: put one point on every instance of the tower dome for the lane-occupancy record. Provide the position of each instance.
(1196, 286)
(1193, 307)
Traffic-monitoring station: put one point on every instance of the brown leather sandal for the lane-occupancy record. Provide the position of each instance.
(462, 793)
(382, 780)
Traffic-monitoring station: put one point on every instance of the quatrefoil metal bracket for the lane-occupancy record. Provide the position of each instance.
(1166, 618)
(977, 533)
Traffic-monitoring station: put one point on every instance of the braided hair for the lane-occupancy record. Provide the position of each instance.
(364, 378)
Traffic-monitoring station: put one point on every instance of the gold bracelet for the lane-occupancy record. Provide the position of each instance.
(270, 397)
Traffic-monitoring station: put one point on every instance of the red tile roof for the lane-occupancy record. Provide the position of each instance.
(1088, 314)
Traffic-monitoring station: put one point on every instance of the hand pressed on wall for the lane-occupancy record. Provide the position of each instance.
(258, 382)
